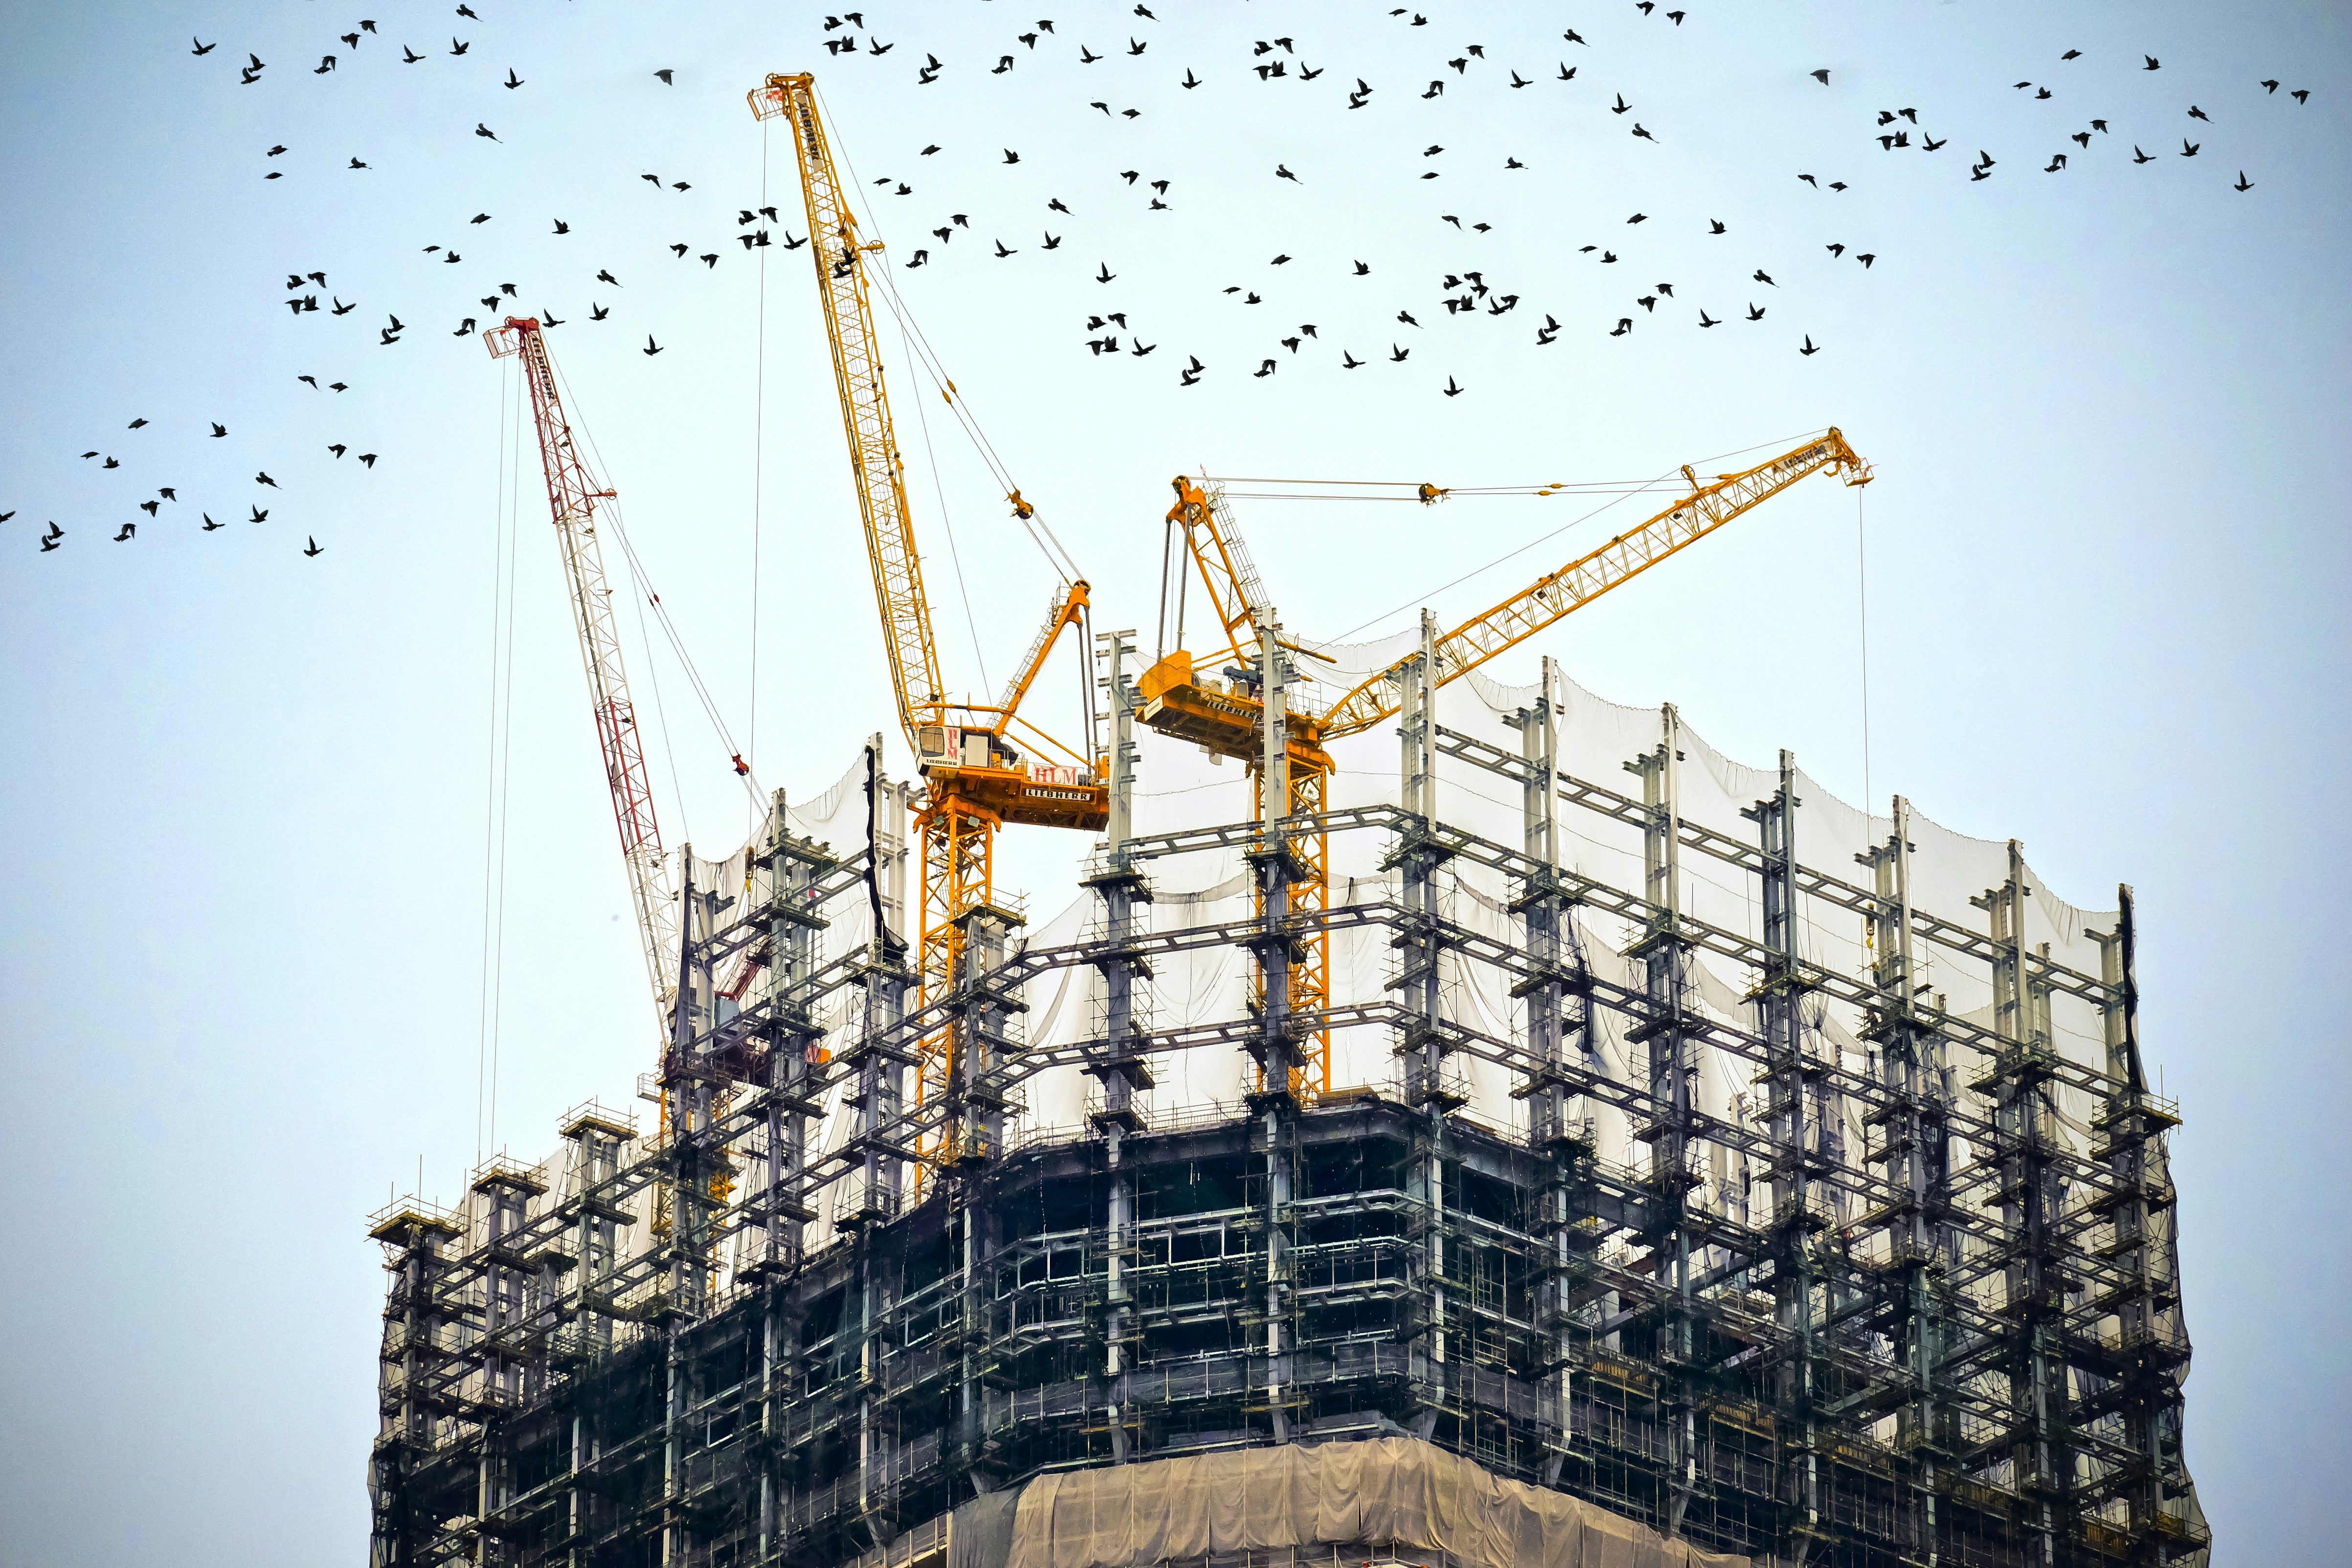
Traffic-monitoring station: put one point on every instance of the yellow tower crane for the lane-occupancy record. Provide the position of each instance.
(1184, 696)
(975, 778)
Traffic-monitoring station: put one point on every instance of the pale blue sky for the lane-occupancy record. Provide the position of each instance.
(244, 799)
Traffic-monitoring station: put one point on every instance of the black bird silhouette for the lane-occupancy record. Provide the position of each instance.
(664, 75)
(1348, 361)
(1642, 134)
(1822, 77)
(1624, 325)
(2197, 113)
(357, 164)
(2189, 149)
(1002, 252)
(1362, 271)
(1705, 320)
(597, 312)
(1189, 80)
(483, 130)
(263, 478)
(1567, 71)
(202, 47)
(1761, 276)
(2140, 157)
(1281, 172)
(651, 348)
(458, 49)
(512, 81)
(1398, 355)
(1809, 348)
(210, 524)
(1266, 369)
(340, 309)
(1406, 316)
(2244, 184)
(1451, 389)
(1052, 241)
(1106, 274)
(1810, 180)
(1011, 156)
(219, 430)
(2151, 62)
(605, 276)
(151, 507)
(1714, 226)
(550, 318)
(259, 515)
(313, 545)
(1135, 49)
(409, 56)
(338, 449)
(128, 529)
(368, 457)
(1621, 106)
(2301, 95)
(463, 327)
(1755, 311)
(1086, 57)
(480, 217)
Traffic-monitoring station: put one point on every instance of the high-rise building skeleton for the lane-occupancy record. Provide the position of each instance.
(1778, 1176)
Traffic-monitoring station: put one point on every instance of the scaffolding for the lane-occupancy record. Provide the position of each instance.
(1667, 1194)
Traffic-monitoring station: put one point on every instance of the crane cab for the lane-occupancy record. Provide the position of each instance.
(980, 770)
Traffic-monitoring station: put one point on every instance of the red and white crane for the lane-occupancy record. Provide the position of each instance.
(571, 497)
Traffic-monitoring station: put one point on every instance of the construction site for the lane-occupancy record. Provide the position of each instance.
(1450, 1122)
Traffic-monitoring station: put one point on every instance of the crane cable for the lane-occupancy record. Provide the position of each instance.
(927, 359)
(1425, 596)
(643, 581)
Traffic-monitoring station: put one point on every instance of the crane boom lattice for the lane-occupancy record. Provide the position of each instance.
(571, 497)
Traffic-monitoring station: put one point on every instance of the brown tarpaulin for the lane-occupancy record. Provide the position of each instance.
(1385, 1489)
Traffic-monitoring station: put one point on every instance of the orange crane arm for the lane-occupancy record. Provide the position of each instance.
(840, 258)
(571, 497)
(1069, 609)
(1585, 579)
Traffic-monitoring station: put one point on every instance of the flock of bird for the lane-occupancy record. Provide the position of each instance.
(1467, 293)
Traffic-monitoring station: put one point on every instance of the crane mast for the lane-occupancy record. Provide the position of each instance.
(1227, 718)
(571, 497)
(975, 779)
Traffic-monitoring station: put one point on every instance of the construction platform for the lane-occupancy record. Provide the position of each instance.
(1765, 1178)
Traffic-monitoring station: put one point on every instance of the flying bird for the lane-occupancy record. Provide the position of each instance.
(2189, 149)
(1281, 172)
(2244, 184)
(259, 515)
(1714, 226)
(1822, 77)
(1809, 348)
(665, 74)
(1755, 311)
(202, 47)
(1348, 361)
(1398, 355)
(483, 130)
(512, 81)
(651, 348)
(1451, 389)
(314, 548)
(1704, 318)
(219, 430)
(1106, 274)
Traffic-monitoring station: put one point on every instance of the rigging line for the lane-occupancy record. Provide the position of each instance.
(1861, 587)
(506, 766)
(1426, 595)
(490, 762)
(972, 624)
(759, 431)
(1556, 533)
(661, 715)
(644, 578)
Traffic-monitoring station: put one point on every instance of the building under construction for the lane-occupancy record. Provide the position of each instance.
(1449, 1123)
